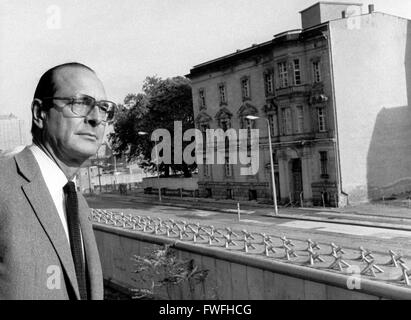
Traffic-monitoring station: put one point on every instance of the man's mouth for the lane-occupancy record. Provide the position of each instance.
(88, 134)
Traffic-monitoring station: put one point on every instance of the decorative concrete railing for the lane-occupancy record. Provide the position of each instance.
(283, 267)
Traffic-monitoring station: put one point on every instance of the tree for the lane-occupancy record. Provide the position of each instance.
(161, 103)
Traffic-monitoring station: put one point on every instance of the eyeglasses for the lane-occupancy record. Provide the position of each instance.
(84, 105)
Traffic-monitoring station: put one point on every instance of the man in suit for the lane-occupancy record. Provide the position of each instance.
(47, 245)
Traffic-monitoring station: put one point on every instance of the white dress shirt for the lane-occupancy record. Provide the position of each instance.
(55, 180)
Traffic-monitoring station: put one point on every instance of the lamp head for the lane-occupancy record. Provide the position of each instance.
(251, 117)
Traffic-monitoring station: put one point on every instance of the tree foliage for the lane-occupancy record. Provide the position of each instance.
(162, 102)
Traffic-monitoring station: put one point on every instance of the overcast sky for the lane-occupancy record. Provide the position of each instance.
(127, 40)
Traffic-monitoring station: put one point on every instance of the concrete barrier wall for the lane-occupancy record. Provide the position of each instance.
(232, 275)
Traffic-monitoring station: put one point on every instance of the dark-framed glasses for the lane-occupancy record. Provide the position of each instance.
(82, 106)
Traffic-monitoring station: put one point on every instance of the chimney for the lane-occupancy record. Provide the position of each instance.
(370, 8)
(343, 14)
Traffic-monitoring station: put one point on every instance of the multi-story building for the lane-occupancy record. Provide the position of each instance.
(328, 91)
(13, 132)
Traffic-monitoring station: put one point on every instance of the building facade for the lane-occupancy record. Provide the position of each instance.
(13, 132)
(319, 89)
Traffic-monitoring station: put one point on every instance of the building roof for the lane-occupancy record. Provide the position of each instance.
(238, 52)
(255, 49)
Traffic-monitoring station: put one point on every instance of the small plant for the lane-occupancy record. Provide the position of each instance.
(161, 270)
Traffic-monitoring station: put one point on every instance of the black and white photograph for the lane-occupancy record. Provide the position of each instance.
(191, 151)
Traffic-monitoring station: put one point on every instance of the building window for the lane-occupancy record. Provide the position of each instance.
(201, 98)
(272, 118)
(317, 71)
(321, 119)
(203, 129)
(286, 115)
(204, 126)
(248, 124)
(297, 72)
(299, 128)
(252, 195)
(245, 88)
(227, 167)
(206, 169)
(225, 124)
(268, 83)
(229, 194)
(223, 94)
(283, 74)
(323, 163)
(275, 158)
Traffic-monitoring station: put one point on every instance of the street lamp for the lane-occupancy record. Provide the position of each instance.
(143, 133)
(115, 170)
(251, 117)
(98, 171)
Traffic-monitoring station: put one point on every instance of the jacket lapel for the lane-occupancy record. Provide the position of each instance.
(94, 271)
(43, 206)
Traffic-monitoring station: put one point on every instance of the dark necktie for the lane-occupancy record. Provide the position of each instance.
(73, 222)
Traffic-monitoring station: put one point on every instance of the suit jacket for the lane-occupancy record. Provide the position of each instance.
(35, 255)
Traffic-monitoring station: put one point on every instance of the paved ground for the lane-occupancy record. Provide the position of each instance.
(392, 209)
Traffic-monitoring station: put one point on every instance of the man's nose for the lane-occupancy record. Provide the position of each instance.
(94, 117)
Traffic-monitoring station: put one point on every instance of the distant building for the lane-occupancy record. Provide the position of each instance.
(13, 132)
(108, 171)
(336, 96)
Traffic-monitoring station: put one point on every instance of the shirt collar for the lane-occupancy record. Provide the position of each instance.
(52, 174)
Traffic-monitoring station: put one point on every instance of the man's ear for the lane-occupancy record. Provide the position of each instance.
(38, 113)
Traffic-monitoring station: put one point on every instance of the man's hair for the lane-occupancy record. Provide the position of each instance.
(46, 86)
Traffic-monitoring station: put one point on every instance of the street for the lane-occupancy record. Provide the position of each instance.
(343, 233)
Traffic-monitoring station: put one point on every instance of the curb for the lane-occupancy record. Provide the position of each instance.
(347, 222)
(335, 210)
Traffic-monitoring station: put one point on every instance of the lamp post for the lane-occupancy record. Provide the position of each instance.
(251, 117)
(143, 133)
(89, 178)
(98, 171)
(115, 173)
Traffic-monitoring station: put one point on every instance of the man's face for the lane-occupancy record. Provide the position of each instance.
(74, 139)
